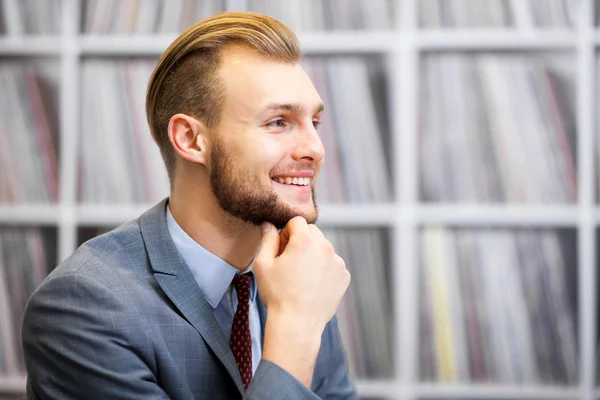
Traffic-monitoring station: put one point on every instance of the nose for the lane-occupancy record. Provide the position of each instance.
(308, 146)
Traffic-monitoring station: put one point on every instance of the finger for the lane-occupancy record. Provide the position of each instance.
(295, 226)
(269, 244)
(315, 232)
(339, 261)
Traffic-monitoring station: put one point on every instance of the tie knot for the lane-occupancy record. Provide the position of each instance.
(242, 286)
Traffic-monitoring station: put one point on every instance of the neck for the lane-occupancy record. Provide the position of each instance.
(197, 211)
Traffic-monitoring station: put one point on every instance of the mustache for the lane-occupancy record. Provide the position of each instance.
(300, 168)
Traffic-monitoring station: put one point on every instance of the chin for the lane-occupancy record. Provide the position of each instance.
(310, 215)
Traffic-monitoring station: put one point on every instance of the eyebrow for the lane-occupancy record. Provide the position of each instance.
(294, 108)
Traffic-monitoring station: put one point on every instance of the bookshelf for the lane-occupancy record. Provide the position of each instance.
(402, 47)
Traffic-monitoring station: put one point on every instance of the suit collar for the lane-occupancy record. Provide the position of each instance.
(178, 283)
(212, 274)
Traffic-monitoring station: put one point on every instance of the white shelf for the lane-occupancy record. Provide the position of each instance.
(311, 43)
(497, 215)
(357, 42)
(330, 215)
(108, 215)
(13, 384)
(597, 216)
(357, 215)
(376, 388)
(314, 43)
(477, 391)
(124, 45)
(30, 46)
(502, 39)
(35, 214)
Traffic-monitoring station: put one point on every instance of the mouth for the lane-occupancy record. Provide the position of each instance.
(292, 181)
(296, 189)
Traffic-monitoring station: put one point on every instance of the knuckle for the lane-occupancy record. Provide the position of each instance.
(328, 248)
(315, 228)
(298, 221)
(302, 239)
(340, 262)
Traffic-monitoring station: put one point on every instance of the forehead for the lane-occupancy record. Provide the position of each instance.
(252, 81)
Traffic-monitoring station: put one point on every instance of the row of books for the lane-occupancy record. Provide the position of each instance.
(171, 16)
(118, 159)
(498, 129)
(493, 128)
(354, 127)
(28, 132)
(502, 129)
(24, 263)
(330, 15)
(498, 306)
(36, 17)
(121, 163)
(146, 16)
(499, 13)
(365, 316)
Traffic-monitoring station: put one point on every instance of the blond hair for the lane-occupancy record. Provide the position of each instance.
(185, 78)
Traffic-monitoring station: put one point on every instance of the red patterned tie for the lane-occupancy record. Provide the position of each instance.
(240, 341)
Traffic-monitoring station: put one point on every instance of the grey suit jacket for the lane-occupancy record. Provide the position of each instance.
(123, 318)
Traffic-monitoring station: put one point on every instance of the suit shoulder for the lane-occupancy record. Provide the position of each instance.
(109, 258)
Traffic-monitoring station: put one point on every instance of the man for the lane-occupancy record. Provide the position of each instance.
(201, 297)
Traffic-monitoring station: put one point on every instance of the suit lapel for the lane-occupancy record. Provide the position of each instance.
(178, 283)
(262, 313)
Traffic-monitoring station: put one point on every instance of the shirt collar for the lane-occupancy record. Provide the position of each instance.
(212, 274)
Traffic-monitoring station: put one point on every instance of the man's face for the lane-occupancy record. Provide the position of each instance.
(266, 153)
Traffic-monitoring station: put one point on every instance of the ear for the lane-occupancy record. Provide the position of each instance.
(189, 138)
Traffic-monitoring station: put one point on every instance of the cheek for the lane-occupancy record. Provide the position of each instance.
(261, 156)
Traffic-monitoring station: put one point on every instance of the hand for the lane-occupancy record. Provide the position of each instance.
(301, 281)
(299, 274)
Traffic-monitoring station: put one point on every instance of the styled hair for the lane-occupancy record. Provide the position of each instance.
(185, 79)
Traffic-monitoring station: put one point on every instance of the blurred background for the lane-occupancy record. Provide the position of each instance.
(461, 181)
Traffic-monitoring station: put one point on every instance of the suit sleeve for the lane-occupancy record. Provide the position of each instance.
(272, 382)
(78, 342)
(330, 378)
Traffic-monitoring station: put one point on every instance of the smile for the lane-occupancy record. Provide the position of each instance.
(292, 181)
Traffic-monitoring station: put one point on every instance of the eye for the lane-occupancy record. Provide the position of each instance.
(316, 123)
(277, 123)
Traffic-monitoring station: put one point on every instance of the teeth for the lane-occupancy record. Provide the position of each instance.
(293, 181)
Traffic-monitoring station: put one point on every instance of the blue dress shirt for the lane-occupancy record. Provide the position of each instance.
(214, 277)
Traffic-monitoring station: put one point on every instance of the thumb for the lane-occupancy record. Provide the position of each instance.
(269, 243)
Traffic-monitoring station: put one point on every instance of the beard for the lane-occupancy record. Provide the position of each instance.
(243, 196)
